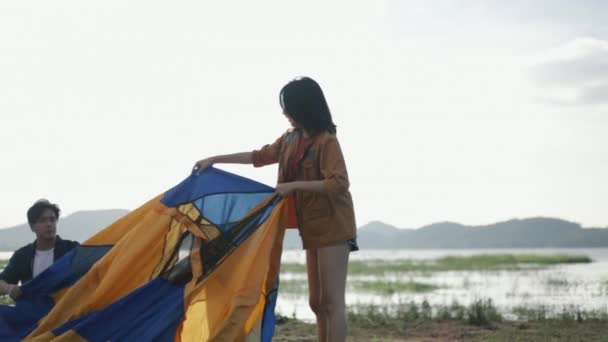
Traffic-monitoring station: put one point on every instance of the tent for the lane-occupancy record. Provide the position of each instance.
(198, 262)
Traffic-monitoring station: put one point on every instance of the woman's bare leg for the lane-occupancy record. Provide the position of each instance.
(333, 268)
(314, 293)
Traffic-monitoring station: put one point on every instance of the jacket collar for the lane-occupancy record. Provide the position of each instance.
(58, 241)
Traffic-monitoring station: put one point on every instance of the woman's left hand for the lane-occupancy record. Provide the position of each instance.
(284, 189)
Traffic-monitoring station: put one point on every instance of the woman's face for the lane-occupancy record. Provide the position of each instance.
(293, 122)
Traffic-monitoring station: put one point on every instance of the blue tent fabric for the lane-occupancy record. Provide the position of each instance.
(16, 322)
(212, 181)
(151, 313)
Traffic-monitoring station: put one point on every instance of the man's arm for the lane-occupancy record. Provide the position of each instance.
(4, 288)
(9, 289)
(10, 277)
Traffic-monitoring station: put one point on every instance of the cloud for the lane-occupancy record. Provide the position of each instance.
(596, 94)
(575, 73)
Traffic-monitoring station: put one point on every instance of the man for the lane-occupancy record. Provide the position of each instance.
(29, 261)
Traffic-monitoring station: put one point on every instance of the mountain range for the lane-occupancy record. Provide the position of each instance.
(78, 226)
(538, 232)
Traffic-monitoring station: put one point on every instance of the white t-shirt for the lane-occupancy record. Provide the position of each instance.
(42, 261)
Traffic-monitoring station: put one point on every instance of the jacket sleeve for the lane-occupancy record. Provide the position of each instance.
(333, 167)
(10, 274)
(268, 154)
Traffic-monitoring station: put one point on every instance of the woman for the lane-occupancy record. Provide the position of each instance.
(313, 178)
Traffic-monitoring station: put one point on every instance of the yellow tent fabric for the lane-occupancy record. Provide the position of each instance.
(231, 268)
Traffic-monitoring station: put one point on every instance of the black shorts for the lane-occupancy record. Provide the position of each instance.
(352, 244)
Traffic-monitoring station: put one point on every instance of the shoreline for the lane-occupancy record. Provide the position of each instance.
(367, 329)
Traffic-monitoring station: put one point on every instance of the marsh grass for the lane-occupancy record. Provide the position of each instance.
(476, 322)
(390, 287)
(542, 313)
(485, 262)
(294, 286)
(6, 300)
(558, 282)
(480, 313)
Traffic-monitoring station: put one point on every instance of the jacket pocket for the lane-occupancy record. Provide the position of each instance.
(316, 207)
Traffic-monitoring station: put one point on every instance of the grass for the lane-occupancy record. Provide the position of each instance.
(557, 282)
(479, 321)
(480, 313)
(568, 314)
(6, 300)
(493, 262)
(294, 286)
(390, 287)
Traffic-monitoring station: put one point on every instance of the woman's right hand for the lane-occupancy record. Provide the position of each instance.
(203, 164)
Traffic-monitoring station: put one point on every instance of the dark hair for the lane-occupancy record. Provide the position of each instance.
(36, 210)
(302, 99)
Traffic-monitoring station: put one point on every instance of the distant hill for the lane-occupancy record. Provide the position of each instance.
(536, 232)
(78, 226)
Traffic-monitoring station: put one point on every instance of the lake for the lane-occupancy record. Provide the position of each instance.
(559, 287)
(555, 288)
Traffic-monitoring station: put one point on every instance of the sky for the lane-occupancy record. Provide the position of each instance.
(468, 111)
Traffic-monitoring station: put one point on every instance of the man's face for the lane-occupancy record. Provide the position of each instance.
(46, 226)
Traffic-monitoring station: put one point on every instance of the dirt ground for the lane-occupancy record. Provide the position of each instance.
(548, 330)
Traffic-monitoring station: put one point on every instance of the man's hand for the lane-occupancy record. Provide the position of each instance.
(14, 291)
